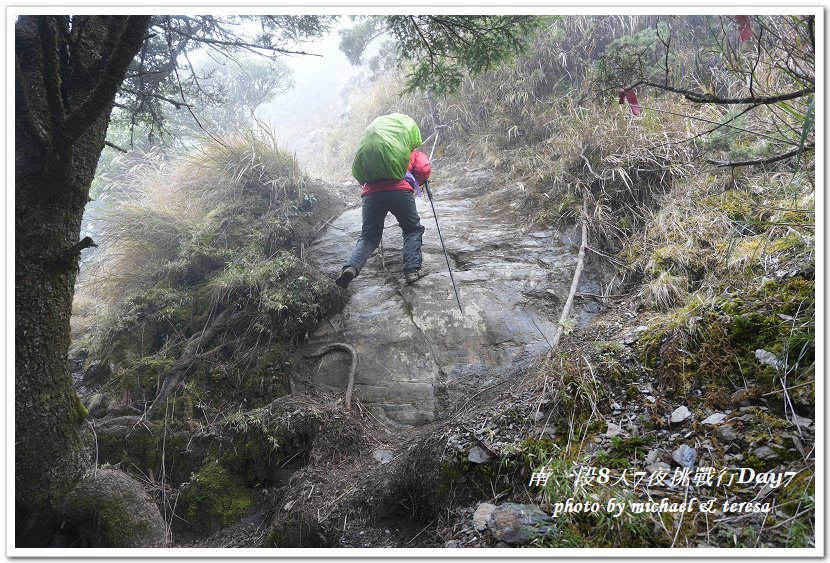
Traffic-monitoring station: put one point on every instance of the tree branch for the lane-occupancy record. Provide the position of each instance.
(114, 146)
(785, 156)
(51, 74)
(176, 103)
(427, 44)
(31, 125)
(353, 366)
(700, 98)
(239, 44)
(103, 95)
(715, 128)
(580, 264)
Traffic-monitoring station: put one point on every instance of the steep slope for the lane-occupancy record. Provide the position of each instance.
(419, 356)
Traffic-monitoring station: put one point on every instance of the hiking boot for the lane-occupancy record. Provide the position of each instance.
(412, 277)
(346, 277)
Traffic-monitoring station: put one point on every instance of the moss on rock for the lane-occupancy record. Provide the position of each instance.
(215, 498)
(111, 509)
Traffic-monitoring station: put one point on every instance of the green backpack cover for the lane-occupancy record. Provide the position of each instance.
(385, 148)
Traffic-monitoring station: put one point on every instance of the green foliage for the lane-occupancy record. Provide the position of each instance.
(354, 40)
(436, 51)
(215, 498)
(611, 359)
(630, 56)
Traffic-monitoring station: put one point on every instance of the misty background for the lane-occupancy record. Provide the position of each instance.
(324, 87)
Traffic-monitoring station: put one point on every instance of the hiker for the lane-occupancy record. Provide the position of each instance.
(390, 170)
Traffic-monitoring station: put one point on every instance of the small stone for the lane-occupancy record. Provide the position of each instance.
(519, 524)
(613, 430)
(680, 414)
(658, 466)
(383, 456)
(651, 399)
(726, 434)
(652, 457)
(765, 453)
(715, 418)
(768, 358)
(685, 456)
(452, 543)
(482, 514)
(798, 445)
(802, 421)
(479, 455)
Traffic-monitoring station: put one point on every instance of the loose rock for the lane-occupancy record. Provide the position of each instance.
(680, 414)
(765, 453)
(685, 456)
(519, 524)
(613, 430)
(482, 514)
(726, 434)
(715, 418)
(479, 455)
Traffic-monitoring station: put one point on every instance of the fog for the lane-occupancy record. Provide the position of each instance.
(302, 116)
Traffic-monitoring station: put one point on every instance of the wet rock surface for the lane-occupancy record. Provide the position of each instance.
(419, 355)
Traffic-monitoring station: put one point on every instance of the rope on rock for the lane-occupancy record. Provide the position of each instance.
(352, 353)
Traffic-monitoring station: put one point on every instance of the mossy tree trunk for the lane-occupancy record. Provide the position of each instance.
(67, 72)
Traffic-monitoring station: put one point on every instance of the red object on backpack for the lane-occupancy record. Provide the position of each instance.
(744, 27)
(419, 166)
(631, 97)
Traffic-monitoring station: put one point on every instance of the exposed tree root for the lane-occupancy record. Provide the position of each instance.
(353, 354)
(189, 355)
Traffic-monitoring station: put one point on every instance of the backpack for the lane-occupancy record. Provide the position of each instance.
(385, 148)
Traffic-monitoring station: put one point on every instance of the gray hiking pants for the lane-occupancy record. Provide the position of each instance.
(376, 205)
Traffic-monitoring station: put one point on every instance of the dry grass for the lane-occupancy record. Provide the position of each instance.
(159, 204)
(184, 240)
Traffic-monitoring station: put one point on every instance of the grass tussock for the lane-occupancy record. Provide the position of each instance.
(208, 243)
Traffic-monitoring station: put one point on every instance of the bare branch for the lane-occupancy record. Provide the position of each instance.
(785, 156)
(114, 146)
(715, 128)
(181, 90)
(176, 103)
(704, 120)
(700, 98)
(240, 44)
(427, 44)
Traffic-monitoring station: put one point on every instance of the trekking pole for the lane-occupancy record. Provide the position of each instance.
(441, 238)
